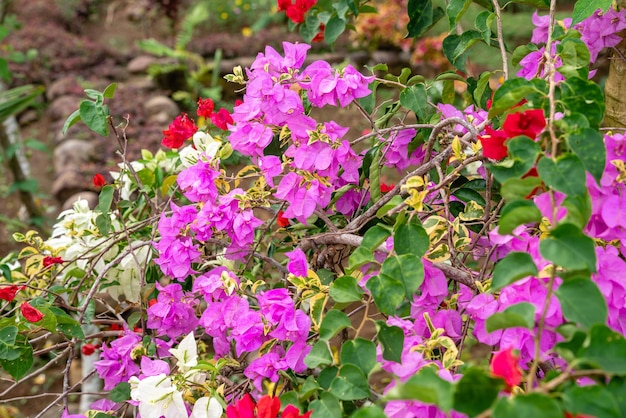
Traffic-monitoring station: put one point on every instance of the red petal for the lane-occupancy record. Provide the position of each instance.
(31, 314)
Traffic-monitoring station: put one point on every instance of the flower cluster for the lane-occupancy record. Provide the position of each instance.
(528, 123)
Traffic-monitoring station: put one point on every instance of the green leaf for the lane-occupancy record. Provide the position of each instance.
(582, 302)
(575, 57)
(333, 322)
(374, 176)
(513, 188)
(483, 23)
(585, 8)
(392, 340)
(421, 17)
(590, 104)
(345, 289)
(511, 92)
(455, 47)
(335, 27)
(407, 268)
(513, 267)
(568, 247)
(565, 174)
(71, 120)
(592, 400)
(516, 213)
(518, 315)
(617, 387)
(19, 366)
(395, 201)
(67, 325)
(371, 411)
(359, 257)
(121, 392)
(351, 384)
(109, 91)
(411, 238)
(360, 352)
(455, 10)
(388, 292)
(588, 145)
(375, 236)
(532, 405)
(604, 349)
(327, 406)
(105, 199)
(94, 116)
(415, 98)
(319, 355)
(524, 152)
(468, 195)
(7, 341)
(476, 391)
(426, 386)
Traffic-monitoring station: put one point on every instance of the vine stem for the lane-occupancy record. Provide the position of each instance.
(550, 67)
(505, 64)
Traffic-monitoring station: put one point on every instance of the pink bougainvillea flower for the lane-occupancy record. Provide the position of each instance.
(222, 119)
(504, 365)
(205, 107)
(493, 144)
(529, 123)
(48, 260)
(179, 131)
(99, 180)
(8, 292)
(31, 314)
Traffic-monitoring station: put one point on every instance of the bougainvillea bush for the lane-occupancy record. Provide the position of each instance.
(300, 284)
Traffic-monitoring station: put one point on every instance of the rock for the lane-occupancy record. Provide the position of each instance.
(64, 86)
(90, 197)
(26, 117)
(68, 183)
(62, 107)
(71, 154)
(140, 64)
(159, 104)
(160, 119)
(139, 83)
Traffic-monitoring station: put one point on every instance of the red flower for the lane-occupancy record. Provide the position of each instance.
(295, 12)
(88, 349)
(179, 131)
(504, 365)
(384, 187)
(48, 261)
(281, 220)
(268, 407)
(205, 107)
(8, 292)
(222, 119)
(529, 123)
(244, 408)
(293, 412)
(31, 314)
(98, 180)
(569, 415)
(493, 144)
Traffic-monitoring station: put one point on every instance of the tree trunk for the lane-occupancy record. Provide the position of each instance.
(615, 87)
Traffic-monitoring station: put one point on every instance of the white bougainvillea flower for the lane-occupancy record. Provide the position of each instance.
(186, 353)
(157, 397)
(204, 146)
(207, 408)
